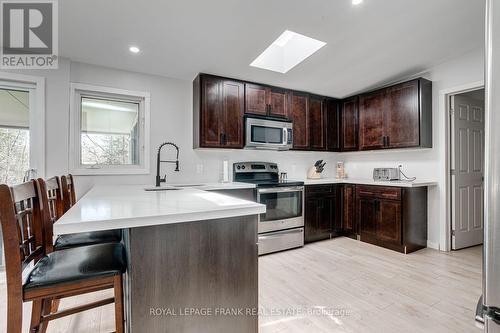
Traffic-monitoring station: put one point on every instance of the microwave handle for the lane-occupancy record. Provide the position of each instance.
(285, 136)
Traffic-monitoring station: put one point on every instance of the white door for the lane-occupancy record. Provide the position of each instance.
(467, 163)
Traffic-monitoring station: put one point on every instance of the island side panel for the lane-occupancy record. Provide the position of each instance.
(210, 267)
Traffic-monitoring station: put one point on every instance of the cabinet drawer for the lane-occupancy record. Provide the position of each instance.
(319, 189)
(381, 192)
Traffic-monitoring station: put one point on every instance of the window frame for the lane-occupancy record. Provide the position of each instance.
(142, 98)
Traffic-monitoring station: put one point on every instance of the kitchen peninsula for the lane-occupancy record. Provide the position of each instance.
(189, 251)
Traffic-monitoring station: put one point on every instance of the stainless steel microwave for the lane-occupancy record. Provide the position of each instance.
(268, 134)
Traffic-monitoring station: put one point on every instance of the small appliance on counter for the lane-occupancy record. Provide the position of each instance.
(386, 174)
(340, 171)
(315, 171)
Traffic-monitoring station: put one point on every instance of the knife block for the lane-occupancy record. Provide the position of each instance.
(313, 174)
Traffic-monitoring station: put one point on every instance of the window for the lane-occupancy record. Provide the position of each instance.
(14, 135)
(110, 131)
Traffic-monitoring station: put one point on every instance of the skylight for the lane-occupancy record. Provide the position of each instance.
(287, 51)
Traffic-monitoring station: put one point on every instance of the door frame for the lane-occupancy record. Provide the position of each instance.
(37, 134)
(445, 107)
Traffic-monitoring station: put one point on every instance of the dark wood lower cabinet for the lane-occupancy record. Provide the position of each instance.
(348, 202)
(391, 217)
(322, 213)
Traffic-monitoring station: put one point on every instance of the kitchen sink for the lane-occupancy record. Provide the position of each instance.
(188, 185)
(157, 189)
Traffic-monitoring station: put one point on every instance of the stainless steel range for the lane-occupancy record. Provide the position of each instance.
(281, 227)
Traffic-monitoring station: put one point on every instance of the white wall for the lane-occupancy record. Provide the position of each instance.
(171, 120)
(426, 163)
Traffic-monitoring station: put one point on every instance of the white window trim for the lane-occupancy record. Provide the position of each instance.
(36, 86)
(75, 166)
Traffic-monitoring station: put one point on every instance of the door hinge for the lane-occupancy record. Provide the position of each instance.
(452, 112)
(453, 233)
(452, 172)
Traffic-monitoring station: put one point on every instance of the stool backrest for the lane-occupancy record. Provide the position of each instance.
(22, 228)
(68, 190)
(52, 199)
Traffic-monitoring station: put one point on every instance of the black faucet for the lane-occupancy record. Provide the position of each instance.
(160, 180)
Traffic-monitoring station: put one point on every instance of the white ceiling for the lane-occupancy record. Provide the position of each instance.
(374, 43)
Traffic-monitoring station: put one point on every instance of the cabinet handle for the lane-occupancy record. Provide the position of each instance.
(387, 141)
(384, 139)
(223, 139)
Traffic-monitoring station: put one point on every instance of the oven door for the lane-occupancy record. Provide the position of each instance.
(268, 134)
(284, 208)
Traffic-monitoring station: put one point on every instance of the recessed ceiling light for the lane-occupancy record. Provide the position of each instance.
(287, 51)
(134, 49)
(356, 2)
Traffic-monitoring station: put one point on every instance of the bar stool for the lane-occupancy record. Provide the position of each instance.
(66, 185)
(60, 274)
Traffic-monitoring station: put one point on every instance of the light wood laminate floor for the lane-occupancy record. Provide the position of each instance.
(341, 285)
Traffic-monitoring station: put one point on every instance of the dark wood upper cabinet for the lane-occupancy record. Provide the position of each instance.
(232, 114)
(350, 124)
(218, 112)
(266, 101)
(279, 103)
(317, 123)
(300, 117)
(372, 109)
(256, 99)
(333, 130)
(402, 115)
(399, 116)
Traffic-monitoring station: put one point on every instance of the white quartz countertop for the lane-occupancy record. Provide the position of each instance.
(216, 186)
(360, 181)
(129, 206)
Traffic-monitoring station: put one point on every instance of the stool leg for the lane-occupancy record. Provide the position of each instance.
(14, 314)
(118, 287)
(46, 309)
(36, 315)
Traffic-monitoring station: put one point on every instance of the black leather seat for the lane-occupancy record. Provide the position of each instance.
(87, 238)
(77, 264)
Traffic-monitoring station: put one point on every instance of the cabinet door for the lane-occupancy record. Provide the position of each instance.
(402, 116)
(350, 124)
(348, 211)
(317, 123)
(367, 217)
(300, 121)
(332, 115)
(232, 114)
(255, 99)
(210, 112)
(372, 109)
(278, 102)
(318, 218)
(389, 221)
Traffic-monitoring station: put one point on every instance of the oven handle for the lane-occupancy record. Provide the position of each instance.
(281, 189)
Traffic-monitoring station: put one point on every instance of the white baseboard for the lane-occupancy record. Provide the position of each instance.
(433, 245)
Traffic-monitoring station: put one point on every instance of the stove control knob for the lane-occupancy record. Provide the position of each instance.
(243, 167)
(238, 167)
